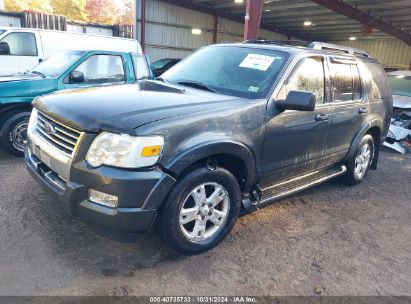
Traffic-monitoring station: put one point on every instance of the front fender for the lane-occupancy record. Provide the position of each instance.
(211, 148)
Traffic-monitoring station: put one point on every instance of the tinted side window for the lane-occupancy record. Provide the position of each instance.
(21, 44)
(346, 82)
(102, 69)
(307, 76)
(342, 81)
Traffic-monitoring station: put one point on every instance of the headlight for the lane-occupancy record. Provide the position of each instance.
(125, 151)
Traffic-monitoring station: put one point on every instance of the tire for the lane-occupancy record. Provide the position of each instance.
(187, 226)
(359, 165)
(14, 133)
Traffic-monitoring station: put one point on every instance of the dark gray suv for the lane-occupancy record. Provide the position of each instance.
(228, 130)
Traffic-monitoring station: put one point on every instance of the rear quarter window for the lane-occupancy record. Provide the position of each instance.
(379, 84)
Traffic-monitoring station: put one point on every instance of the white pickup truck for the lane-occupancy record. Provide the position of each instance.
(22, 48)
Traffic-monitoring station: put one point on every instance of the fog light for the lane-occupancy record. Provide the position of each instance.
(103, 198)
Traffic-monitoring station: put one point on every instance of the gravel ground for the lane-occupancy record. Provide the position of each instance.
(332, 239)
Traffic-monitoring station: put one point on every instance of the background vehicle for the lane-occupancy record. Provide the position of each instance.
(400, 82)
(162, 65)
(22, 48)
(64, 70)
(231, 128)
(399, 135)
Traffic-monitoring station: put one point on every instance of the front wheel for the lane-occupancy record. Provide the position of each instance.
(360, 163)
(200, 211)
(14, 133)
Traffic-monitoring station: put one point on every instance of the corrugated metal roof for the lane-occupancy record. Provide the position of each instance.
(326, 24)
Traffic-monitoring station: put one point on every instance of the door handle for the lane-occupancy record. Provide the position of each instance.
(363, 110)
(321, 117)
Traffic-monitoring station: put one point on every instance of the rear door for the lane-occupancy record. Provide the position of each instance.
(295, 140)
(348, 108)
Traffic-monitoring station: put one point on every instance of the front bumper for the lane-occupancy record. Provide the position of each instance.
(134, 214)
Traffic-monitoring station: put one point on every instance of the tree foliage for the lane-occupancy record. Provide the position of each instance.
(126, 14)
(72, 9)
(34, 5)
(101, 11)
(98, 11)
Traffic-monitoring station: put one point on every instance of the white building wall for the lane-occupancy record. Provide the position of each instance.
(10, 21)
(391, 53)
(168, 30)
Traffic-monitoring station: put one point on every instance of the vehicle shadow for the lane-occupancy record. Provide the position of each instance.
(73, 244)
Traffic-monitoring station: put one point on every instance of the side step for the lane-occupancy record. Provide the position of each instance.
(289, 187)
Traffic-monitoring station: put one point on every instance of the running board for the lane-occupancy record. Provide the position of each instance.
(289, 187)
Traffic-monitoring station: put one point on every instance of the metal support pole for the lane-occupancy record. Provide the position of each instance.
(143, 25)
(1, 5)
(135, 17)
(254, 11)
(215, 30)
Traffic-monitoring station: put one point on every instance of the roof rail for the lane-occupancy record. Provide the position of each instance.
(338, 48)
(279, 42)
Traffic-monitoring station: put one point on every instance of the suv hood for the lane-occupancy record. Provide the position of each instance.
(123, 108)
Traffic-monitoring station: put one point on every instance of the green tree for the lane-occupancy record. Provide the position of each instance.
(101, 11)
(72, 9)
(34, 5)
(41, 6)
(16, 5)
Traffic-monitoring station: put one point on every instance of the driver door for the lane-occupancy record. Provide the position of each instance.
(96, 70)
(295, 141)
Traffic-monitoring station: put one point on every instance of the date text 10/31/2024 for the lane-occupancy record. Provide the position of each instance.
(203, 299)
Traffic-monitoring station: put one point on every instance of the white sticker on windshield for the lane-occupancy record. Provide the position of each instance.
(257, 62)
(253, 89)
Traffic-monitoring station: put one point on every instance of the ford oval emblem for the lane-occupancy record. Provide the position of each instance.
(49, 128)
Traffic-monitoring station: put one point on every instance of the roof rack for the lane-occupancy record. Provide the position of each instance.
(337, 48)
(279, 42)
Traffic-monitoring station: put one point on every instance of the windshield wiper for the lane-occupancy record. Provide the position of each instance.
(161, 79)
(198, 85)
(38, 73)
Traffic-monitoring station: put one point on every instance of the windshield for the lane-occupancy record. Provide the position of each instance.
(57, 64)
(2, 31)
(400, 84)
(233, 70)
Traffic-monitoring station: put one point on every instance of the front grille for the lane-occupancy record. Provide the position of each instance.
(57, 134)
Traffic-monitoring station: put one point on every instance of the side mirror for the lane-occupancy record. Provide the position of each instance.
(76, 77)
(299, 101)
(4, 48)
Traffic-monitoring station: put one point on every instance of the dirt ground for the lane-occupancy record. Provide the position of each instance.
(332, 239)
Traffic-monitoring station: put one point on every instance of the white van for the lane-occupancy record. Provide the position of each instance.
(23, 48)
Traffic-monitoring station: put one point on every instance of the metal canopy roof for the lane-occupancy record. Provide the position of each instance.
(331, 20)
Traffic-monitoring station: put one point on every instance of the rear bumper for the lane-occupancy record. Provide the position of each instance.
(74, 197)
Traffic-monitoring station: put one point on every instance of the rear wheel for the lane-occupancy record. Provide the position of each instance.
(14, 133)
(360, 163)
(200, 211)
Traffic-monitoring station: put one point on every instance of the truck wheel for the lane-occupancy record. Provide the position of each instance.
(200, 211)
(14, 133)
(358, 166)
